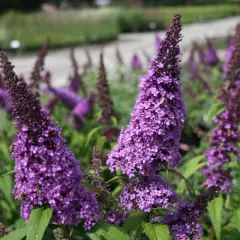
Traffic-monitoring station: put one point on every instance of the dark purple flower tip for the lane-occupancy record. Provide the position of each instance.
(36, 77)
(224, 139)
(103, 98)
(136, 62)
(231, 67)
(157, 41)
(76, 79)
(211, 58)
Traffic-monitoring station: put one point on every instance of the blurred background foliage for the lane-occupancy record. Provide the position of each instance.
(91, 25)
(28, 5)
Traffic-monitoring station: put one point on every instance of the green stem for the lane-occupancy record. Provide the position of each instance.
(113, 179)
(189, 186)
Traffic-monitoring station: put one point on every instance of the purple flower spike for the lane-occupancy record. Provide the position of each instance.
(228, 56)
(69, 98)
(153, 134)
(47, 173)
(192, 64)
(36, 77)
(103, 98)
(82, 109)
(148, 192)
(219, 178)
(231, 67)
(183, 223)
(76, 80)
(136, 63)
(200, 52)
(225, 137)
(157, 41)
(211, 58)
(5, 101)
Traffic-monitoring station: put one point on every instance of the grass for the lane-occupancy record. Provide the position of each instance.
(97, 25)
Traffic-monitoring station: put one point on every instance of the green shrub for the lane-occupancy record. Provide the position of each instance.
(63, 28)
(97, 25)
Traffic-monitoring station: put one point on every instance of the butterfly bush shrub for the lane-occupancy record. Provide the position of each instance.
(156, 178)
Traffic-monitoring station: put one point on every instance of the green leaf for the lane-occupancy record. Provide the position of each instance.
(156, 231)
(8, 173)
(38, 222)
(133, 221)
(16, 235)
(190, 168)
(212, 112)
(215, 209)
(178, 174)
(115, 178)
(94, 236)
(230, 234)
(91, 133)
(109, 231)
(235, 220)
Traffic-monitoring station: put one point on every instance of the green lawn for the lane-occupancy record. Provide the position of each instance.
(96, 25)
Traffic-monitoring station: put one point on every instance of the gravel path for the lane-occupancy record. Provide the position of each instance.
(59, 64)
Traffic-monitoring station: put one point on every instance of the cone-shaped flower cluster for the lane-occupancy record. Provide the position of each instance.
(228, 57)
(231, 67)
(224, 140)
(104, 100)
(211, 58)
(151, 140)
(136, 63)
(76, 80)
(38, 67)
(192, 64)
(225, 136)
(46, 171)
(153, 134)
